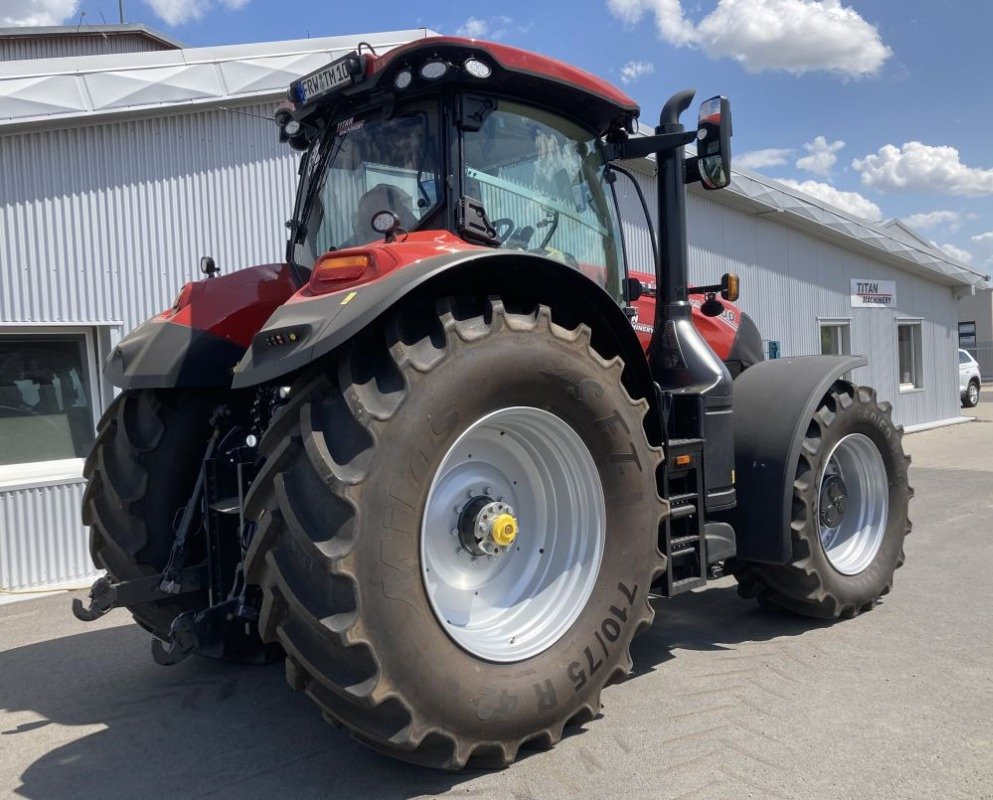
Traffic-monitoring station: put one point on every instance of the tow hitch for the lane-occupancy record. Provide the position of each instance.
(106, 596)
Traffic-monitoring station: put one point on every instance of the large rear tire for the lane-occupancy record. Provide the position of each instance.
(850, 500)
(380, 469)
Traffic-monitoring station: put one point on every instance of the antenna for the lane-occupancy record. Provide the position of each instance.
(120, 9)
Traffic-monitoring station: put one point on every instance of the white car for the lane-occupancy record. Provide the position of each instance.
(969, 379)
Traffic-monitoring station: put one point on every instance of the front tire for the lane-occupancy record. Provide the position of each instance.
(850, 501)
(366, 488)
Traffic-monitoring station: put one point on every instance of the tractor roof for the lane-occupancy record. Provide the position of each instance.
(519, 73)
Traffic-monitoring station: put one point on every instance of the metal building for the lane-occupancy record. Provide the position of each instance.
(119, 171)
(20, 44)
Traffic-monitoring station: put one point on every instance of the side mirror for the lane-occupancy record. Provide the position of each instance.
(714, 143)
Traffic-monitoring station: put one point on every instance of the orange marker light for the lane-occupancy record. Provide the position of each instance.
(729, 287)
(340, 268)
(684, 460)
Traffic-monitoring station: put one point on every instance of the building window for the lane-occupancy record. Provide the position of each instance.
(47, 399)
(909, 355)
(836, 339)
(967, 336)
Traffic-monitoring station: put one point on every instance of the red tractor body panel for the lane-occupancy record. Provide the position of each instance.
(384, 258)
(720, 332)
(234, 307)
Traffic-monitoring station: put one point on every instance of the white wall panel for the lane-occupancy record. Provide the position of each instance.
(42, 540)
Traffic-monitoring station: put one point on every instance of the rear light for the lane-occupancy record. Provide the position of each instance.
(334, 269)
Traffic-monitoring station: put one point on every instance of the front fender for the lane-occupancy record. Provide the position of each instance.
(774, 402)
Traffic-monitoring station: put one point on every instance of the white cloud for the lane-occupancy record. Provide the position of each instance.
(489, 28)
(821, 156)
(933, 219)
(957, 253)
(18, 13)
(795, 36)
(851, 202)
(984, 240)
(759, 159)
(920, 167)
(473, 28)
(633, 70)
(179, 12)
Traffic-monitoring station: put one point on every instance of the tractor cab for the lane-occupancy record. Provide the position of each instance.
(459, 136)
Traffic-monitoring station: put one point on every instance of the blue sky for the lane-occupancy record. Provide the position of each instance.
(889, 101)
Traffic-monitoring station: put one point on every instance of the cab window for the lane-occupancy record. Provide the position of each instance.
(541, 180)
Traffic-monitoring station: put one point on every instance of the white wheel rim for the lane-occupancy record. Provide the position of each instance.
(516, 603)
(853, 504)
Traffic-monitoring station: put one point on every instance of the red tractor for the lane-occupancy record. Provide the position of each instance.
(442, 457)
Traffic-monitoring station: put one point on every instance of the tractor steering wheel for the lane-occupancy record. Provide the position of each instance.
(504, 222)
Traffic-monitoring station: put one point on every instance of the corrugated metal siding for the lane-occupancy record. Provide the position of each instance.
(790, 279)
(106, 222)
(32, 47)
(41, 538)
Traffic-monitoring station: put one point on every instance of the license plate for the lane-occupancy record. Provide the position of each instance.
(335, 75)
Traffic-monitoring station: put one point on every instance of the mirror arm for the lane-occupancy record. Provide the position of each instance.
(642, 146)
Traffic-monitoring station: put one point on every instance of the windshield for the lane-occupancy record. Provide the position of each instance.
(541, 180)
(366, 164)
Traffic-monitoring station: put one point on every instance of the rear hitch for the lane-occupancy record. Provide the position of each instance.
(106, 595)
(209, 632)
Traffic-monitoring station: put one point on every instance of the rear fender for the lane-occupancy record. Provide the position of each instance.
(305, 330)
(197, 342)
(774, 402)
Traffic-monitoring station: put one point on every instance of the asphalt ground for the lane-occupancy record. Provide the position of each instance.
(727, 700)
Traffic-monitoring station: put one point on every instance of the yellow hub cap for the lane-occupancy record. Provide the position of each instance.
(503, 531)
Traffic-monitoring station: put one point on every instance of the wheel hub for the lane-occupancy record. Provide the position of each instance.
(834, 501)
(486, 527)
